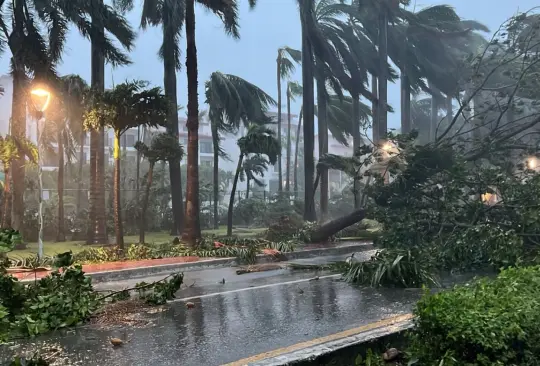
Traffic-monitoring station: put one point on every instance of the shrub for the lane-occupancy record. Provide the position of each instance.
(247, 211)
(284, 228)
(489, 322)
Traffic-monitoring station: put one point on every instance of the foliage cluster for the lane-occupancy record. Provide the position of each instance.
(489, 322)
(64, 298)
(9, 239)
(245, 249)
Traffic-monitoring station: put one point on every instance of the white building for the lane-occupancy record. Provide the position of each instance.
(130, 137)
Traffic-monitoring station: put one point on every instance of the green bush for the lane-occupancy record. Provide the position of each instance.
(487, 323)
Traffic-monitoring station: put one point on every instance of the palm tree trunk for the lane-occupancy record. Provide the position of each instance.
(18, 131)
(6, 212)
(288, 167)
(82, 140)
(169, 82)
(308, 68)
(146, 199)
(356, 145)
(382, 112)
(323, 143)
(192, 230)
(374, 108)
(247, 188)
(233, 191)
(298, 131)
(215, 173)
(405, 103)
(97, 201)
(280, 172)
(138, 172)
(118, 224)
(61, 234)
(90, 235)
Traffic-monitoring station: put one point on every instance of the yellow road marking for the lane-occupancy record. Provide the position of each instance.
(314, 342)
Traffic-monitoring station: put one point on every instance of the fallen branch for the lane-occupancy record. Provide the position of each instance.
(129, 289)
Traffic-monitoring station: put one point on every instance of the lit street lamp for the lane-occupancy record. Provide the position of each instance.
(40, 98)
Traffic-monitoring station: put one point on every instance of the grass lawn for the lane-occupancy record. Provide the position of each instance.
(52, 248)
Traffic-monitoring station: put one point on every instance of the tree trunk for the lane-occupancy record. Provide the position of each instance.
(356, 145)
(306, 11)
(91, 233)
(146, 199)
(288, 158)
(61, 234)
(97, 201)
(449, 110)
(280, 171)
(138, 174)
(18, 131)
(192, 230)
(434, 117)
(247, 187)
(405, 103)
(374, 108)
(382, 111)
(169, 82)
(325, 231)
(323, 143)
(215, 174)
(6, 212)
(118, 224)
(82, 141)
(233, 191)
(298, 131)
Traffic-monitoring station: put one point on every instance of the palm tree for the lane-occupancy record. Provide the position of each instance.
(259, 140)
(164, 147)
(307, 19)
(231, 101)
(227, 11)
(294, 89)
(128, 105)
(64, 122)
(286, 59)
(31, 54)
(253, 167)
(11, 150)
(170, 15)
(96, 21)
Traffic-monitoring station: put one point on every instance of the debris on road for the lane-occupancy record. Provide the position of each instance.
(259, 268)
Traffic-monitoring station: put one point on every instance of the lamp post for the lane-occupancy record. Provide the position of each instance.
(40, 98)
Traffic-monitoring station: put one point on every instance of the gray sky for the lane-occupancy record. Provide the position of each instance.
(273, 23)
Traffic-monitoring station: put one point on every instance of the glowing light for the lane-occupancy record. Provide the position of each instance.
(42, 98)
(387, 146)
(532, 162)
(486, 197)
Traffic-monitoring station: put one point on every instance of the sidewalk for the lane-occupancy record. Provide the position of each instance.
(115, 271)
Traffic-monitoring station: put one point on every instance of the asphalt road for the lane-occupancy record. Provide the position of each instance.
(248, 315)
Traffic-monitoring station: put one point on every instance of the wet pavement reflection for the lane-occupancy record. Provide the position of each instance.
(231, 326)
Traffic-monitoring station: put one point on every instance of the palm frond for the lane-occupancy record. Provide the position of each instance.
(227, 11)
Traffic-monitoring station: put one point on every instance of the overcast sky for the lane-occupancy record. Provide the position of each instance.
(273, 24)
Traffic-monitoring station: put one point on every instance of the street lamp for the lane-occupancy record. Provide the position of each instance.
(532, 163)
(41, 98)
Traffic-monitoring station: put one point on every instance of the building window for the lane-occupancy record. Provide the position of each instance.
(130, 140)
(206, 147)
(207, 161)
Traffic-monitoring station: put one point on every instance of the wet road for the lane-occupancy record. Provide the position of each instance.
(239, 322)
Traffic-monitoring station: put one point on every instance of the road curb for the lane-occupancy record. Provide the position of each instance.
(129, 273)
(314, 349)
